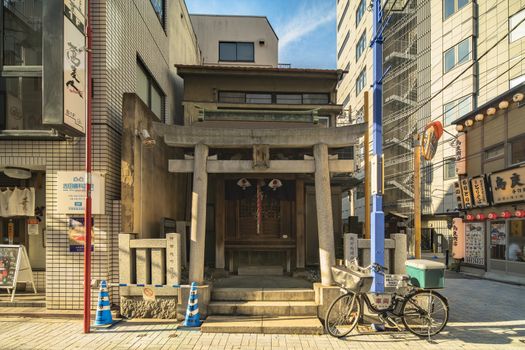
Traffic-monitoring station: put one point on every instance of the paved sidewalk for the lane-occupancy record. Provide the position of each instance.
(484, 315)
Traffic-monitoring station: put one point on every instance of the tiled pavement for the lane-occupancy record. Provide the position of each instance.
(484, 315)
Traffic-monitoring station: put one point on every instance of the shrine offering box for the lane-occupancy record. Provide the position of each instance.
(426, 274)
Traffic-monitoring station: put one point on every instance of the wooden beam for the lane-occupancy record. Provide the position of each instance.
(220, 223)
(246, 166)
(300, 226)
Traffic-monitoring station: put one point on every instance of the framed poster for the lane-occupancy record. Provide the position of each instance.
(71, 192)
(475, 243)
(77, 234)
(14, 268)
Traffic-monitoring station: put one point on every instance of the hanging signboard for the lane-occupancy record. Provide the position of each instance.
(479, 191)
(465, 193)
(461, 154)
(77, 234)
(14, 268)
(508, 186)
(430, 138)
(459, 196)
(475, 243)
(71, 192)
(458, 238)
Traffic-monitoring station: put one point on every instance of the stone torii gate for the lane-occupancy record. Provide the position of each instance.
(319, 139)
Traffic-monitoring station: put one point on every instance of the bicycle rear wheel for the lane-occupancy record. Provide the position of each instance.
(342, 315)
(425, 313)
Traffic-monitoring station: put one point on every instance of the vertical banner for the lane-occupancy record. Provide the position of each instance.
(465, 191)
(475, 243)
(461, 154)
(458, 238)
(75, 59)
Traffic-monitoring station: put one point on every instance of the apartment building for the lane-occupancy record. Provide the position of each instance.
(42, 122)
(431, 50)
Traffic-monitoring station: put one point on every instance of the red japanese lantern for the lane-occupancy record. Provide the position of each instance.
(480, 216)
(506, 214)
(493, 216)
(519, 213)
(469, 217)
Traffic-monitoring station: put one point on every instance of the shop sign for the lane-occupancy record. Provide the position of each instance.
(475, 243)
(77, 234)
(75, 82)
(458, 238)
(479, 191)
(459, 196)
(71, 192)
(508, 186)
(465, 193)
(461, 154)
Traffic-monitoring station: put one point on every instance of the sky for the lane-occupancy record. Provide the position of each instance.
(306, 28)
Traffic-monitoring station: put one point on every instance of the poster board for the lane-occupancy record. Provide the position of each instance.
(14, 267)
(475, 243)
(71, 192)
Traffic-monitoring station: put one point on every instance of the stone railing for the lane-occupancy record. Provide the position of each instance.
(395, 251)
(155, 261)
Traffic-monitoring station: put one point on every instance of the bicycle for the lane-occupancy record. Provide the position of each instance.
(423, 312)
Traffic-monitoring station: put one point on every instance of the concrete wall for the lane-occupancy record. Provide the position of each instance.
(149, 192)
(211, 29)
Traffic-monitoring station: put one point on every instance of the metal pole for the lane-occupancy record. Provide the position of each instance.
(367, 168)
(417, 199)
(377, 217)
(87, 213)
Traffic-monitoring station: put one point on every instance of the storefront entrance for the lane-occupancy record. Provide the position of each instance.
(507, 245)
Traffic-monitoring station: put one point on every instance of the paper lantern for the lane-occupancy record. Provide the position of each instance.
(517, 97)
(519, 213)
(506, 214)
(469, 217)
(469, 122)
(491, 111)
(244, 183)
(275, 184)
(480, 216)
(460, 127)
(503, 104)
(479, 117)
(458, 238)
(493, 216)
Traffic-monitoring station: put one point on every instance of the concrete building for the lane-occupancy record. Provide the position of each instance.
(427, 45)
(135, 46)
(236, 40)
(491, 188)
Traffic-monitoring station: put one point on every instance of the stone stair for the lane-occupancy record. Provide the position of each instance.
(262, 310)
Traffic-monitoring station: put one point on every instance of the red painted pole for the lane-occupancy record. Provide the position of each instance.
(87, 213)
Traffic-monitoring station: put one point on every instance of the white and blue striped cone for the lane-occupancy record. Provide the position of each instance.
(103, 316)
(192, 312)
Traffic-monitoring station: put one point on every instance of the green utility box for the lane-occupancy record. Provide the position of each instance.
(426, 274)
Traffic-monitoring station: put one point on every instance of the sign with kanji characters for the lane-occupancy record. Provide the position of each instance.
(465, 193)
(71, 192)
(458, 238)
(459, 196)
(508, 186)
(461, 154)
(479, 191)
(475, 243)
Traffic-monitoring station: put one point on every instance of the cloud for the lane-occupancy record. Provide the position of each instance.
(307, 19)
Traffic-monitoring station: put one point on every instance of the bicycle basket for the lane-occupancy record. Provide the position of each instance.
(357, 281)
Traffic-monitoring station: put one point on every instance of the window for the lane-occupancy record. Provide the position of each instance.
(258, 98)
(149, 91)
(456, 55)
(236, 52)
(316, 99)
(360, 82)
(21, 65)
(518, 32)
(269, 98)
(452, 6)
(342, 18)
(494, 152)
(361, 46)
(449, 169)
(360, 12)
(232, 97)
(343, 45)
(517, 150)
(456, 109)
(515, 249)
(159, 7)
(516, 81)
(288, 99)
(498, 239)
(324, 121)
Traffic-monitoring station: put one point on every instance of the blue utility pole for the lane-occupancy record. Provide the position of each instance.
(377, 217)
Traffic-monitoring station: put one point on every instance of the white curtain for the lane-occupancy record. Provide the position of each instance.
(17, 202)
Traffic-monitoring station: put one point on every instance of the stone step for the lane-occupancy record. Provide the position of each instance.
(262, 294)
(260, 271)
(263, 308)
(263, 325)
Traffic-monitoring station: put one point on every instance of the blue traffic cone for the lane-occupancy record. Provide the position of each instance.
(103, 316)
(192, 312)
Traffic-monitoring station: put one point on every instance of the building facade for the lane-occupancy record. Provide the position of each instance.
(431, 49)
(135, 46)
(490, 236)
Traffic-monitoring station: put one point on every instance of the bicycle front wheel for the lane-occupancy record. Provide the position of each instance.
(425, 313)
(342, 315)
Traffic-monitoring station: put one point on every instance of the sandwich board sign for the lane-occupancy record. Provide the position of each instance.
(14, 268)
